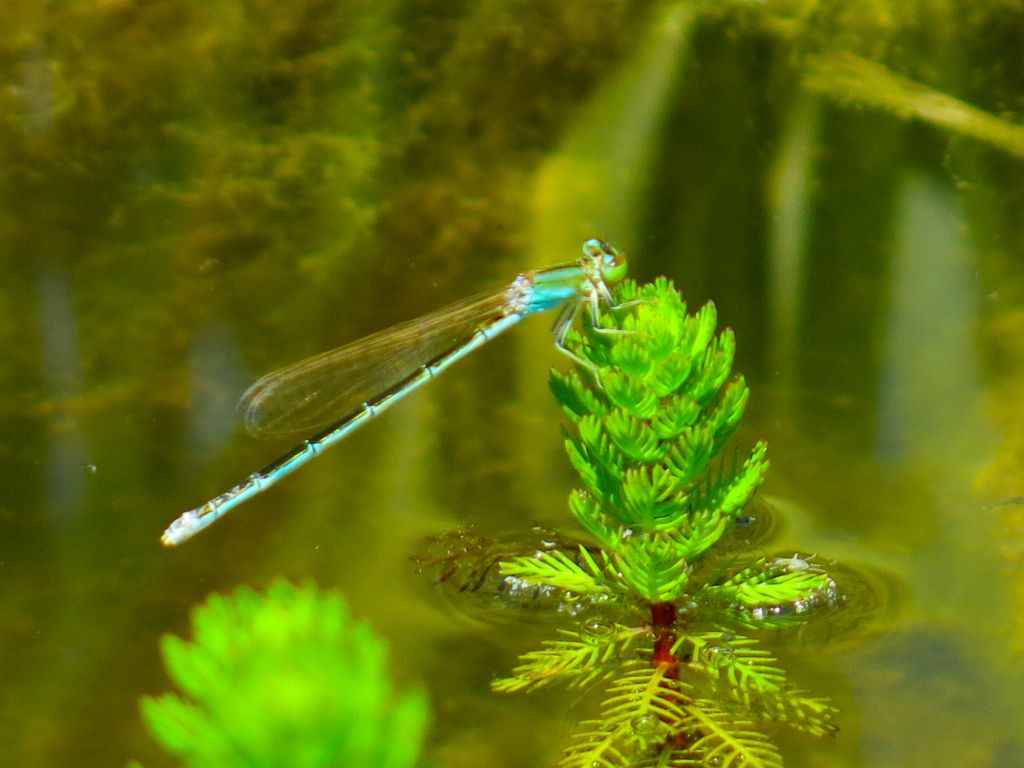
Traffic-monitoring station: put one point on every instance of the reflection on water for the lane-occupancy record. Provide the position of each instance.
(194, 194)
(67, 458)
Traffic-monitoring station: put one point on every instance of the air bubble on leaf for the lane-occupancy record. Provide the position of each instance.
(795, 564)
(595, 629)
(645, 725)
(725, 651)
(688, 606)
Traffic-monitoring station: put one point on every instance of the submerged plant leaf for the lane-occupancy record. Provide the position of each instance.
(595, 651)
(848, 77)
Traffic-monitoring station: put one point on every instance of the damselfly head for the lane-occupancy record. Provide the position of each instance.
(609, 260)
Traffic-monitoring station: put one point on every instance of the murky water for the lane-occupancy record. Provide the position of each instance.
(196, 193)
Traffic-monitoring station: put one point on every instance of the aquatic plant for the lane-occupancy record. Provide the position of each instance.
(686, 682)
(286, 677)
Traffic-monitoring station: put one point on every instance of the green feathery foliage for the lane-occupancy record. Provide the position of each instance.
(284, 678)
(587, 655)
(652, 405)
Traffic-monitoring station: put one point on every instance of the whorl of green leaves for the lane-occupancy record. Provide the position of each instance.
(283, 678)
(650, 418)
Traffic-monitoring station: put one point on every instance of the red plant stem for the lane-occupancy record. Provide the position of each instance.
(663, 621)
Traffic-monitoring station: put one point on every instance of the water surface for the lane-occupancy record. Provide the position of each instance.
(194, 194)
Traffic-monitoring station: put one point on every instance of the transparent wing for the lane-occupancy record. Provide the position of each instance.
(321, 389)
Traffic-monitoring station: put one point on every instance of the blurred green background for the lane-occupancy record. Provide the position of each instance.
(194, 193)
